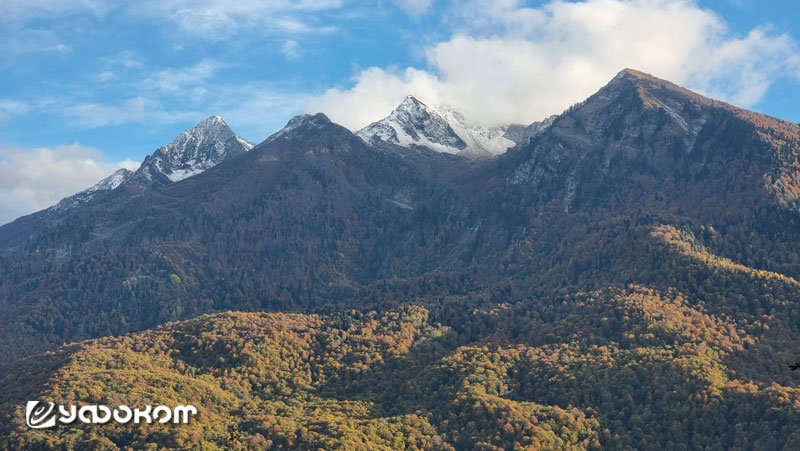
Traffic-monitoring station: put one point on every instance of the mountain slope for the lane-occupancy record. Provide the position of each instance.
(291, 214)
(314, 217)
(625, 277)
(107, 184)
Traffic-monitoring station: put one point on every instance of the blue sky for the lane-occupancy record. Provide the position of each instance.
(87, 86)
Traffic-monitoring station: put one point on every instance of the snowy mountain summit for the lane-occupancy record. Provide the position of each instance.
(201, 147)
(441, 129)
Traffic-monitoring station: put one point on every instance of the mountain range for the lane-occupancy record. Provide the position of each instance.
(623, 275)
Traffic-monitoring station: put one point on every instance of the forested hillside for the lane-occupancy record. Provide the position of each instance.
(626, 279)
(611, 369)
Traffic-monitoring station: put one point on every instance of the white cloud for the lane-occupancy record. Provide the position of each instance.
(128, 164)
(10, 108)
(16, 40)
(22, 32)
(509, 63)
(222, 19)
(33, 179)
(105, 76)
(22, 10)
(742, 70)
(181, 79)
(255, 109)
(92, 115)
(126, 59)
(496, 17)
(166, 96)
(375, 93)
(414, 7)
(292, 50)
(21, 35)
(186, 95)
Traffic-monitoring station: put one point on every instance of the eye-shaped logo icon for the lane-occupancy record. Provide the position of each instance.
(40, 415)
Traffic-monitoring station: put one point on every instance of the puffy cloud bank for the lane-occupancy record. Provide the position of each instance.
(508, 63)
(33, 179)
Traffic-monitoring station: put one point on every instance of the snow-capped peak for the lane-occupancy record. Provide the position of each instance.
(414, 123)
(201, 147)
(442, 129)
